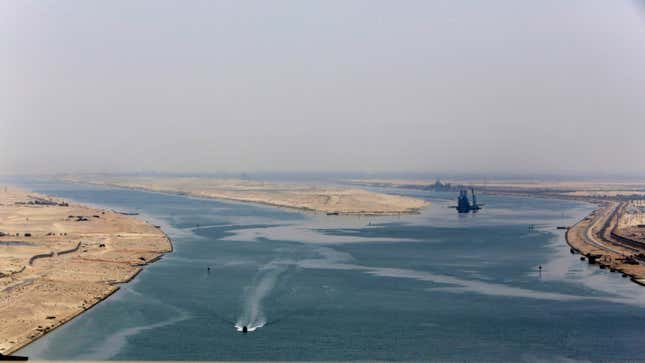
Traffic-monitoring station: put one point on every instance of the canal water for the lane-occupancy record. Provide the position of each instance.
(433, 286)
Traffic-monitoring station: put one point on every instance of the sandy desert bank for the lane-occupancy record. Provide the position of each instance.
(58, 260)
(326, 199)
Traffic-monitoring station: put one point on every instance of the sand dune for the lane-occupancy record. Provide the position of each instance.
(315, 198)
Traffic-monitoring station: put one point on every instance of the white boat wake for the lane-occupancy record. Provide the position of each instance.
(253, 316)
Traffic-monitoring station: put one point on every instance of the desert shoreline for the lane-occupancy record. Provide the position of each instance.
(60, 259)
(330, 200)
(596, 240)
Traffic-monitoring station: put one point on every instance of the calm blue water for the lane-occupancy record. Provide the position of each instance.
(434, 286)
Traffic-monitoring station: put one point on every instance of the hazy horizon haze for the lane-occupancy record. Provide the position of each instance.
(519, 87)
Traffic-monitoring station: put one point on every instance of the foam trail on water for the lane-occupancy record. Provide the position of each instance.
(253, 316)
(113, 344)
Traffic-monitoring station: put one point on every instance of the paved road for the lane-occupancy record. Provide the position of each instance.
(600, 218)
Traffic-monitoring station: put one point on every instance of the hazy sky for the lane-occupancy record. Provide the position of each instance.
(447, 86)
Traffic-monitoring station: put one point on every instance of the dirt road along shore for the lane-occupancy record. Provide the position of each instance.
(59, 259)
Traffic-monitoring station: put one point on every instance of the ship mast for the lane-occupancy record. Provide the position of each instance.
(472, 190)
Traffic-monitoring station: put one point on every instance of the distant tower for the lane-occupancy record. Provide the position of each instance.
(475, 207)
(474, 199)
